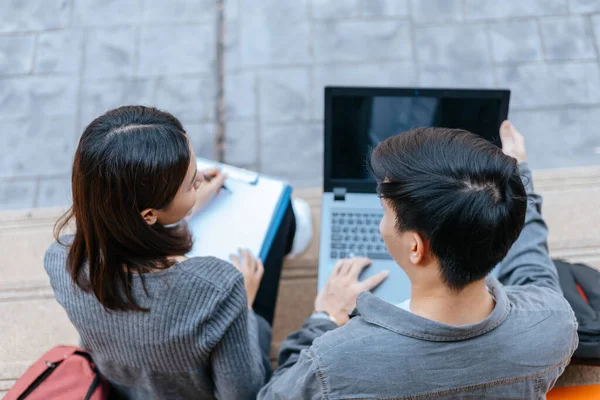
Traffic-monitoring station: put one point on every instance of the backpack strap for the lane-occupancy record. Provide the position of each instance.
(97, 378)
(95, 383)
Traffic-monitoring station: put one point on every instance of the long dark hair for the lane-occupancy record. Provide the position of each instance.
(459, 191)
(128, 160)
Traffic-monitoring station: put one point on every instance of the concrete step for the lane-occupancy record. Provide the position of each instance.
(32, 321)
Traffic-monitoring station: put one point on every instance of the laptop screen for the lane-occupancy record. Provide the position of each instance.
(358, 122)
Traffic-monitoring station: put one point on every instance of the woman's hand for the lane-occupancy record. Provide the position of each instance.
(209, 182)
(252, 269)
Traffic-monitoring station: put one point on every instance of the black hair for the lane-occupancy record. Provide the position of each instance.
(128, 159)
(461, 192)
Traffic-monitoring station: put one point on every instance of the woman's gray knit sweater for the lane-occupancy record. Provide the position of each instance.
(198, 341)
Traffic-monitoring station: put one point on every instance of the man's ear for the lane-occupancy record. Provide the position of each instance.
(418, 248)
(149, 215)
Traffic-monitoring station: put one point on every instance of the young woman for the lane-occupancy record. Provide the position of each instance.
(158, 324)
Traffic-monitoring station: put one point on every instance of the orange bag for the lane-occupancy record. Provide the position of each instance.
(65, 372)
(585, 392)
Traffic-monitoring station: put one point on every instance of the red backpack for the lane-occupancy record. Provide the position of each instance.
(65, 372)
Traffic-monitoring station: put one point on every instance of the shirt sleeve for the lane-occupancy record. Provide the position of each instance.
(528, 260)
(298, 374)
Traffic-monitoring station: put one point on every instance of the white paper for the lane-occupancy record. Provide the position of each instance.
(233, 173)
(239, 218)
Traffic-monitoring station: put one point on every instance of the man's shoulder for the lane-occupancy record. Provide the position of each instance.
(537, 299)
(543, 337)
(357, 333)
(535, 312)
(543, 321)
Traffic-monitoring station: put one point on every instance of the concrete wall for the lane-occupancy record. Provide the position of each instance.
(63, 62)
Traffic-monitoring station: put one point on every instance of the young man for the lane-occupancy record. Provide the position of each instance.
(454, 206)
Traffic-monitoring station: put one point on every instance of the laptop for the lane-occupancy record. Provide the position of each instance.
(356, 120)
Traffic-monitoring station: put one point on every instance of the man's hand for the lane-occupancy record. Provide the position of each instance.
(338, 297)
(513, 143)
(209, 182)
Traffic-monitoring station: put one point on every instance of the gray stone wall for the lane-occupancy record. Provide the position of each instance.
(63, 62)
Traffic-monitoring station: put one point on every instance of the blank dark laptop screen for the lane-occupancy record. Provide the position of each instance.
(358, 123)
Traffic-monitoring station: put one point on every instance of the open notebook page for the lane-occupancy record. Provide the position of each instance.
(235, 219)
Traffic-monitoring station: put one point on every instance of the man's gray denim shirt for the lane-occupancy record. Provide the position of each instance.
(385, 352)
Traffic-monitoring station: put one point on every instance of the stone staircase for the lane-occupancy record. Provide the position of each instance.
(31, 321)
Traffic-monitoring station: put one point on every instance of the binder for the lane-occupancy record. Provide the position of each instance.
(246, 216)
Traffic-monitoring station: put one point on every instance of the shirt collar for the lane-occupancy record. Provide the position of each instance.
(386, 315)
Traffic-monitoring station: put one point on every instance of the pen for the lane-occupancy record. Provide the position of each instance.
(209, 178)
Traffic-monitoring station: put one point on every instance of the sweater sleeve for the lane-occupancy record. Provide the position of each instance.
(237, 361)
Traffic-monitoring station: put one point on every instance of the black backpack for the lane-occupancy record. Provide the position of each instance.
(581, 286)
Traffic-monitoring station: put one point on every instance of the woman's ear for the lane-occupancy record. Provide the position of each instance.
(149, 215)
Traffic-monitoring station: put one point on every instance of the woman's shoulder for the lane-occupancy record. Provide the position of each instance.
(212, 271)
(57, 251)
(209, 271)
(61, 245)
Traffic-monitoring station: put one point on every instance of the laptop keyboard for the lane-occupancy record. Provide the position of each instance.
(356, 234)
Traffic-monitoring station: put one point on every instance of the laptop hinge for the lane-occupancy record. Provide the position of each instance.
(339, 194)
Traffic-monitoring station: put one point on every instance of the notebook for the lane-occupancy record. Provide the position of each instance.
(246, 216)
